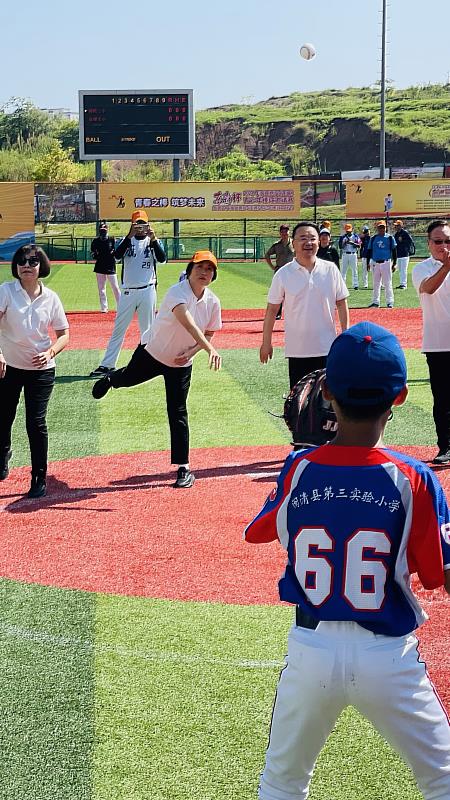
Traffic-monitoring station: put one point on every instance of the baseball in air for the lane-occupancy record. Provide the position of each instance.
(308, 51)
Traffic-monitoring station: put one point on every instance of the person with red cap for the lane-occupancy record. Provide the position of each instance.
(187, 319)
(140, 251)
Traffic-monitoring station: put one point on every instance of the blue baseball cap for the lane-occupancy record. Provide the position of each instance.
(366, 366)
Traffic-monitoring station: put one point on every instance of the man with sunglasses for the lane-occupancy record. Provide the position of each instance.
(432, 283)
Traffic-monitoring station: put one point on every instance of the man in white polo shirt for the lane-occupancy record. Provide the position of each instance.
(312, 290)
(432, 283)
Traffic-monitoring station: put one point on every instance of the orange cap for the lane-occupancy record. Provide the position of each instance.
(381, 223)
(348, 227)
(398, 222)
(204, 255)
(139, 215)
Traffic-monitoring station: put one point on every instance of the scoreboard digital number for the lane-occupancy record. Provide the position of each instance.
(136, 124)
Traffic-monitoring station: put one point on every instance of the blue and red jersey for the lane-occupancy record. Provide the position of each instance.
(356, 523)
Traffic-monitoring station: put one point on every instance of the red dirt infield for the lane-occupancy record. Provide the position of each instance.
(90, 330)
(114, 524)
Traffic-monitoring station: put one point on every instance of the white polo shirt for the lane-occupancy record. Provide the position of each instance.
(24, 327)
(435, 308)
(309, 306)
(168, 339)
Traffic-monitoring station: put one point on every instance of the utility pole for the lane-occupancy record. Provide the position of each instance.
(383, 95)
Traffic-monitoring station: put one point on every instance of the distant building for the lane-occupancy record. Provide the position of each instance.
(61, 112)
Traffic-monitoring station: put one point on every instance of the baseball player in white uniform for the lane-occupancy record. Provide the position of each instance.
(349, 244)
(357, 519)
(140, 251)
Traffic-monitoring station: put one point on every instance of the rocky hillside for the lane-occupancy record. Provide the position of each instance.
(340, 130)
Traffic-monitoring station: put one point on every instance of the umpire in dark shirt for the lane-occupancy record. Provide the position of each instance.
(102, 249)
(326, 250)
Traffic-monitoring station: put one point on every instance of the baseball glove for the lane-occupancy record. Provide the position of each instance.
(309, 417)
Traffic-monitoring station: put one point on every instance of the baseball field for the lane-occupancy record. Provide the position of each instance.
(141, 638)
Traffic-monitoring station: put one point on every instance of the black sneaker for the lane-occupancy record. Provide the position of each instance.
(4, 465)
(38, 487)
(185, 478)
(443, 457)
(390, 305)
(374, 305)
(101, 387)
(402, 286)
(100, 371)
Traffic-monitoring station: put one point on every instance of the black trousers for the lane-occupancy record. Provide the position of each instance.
(37, 385)
(299, 367)
(439, 369)
(143, 367)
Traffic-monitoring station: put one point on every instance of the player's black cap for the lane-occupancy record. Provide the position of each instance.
(366, 366)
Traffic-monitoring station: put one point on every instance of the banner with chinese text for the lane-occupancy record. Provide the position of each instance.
(402, 197)
(197, 200)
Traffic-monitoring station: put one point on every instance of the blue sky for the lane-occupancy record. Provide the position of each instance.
(229, 52)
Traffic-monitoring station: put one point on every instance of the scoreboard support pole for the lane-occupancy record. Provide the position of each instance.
(176, 222)
(98, 180)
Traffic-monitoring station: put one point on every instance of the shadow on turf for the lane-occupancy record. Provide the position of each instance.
(60, 493)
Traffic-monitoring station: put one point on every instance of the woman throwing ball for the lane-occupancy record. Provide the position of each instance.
(27, 360)
(185, 324)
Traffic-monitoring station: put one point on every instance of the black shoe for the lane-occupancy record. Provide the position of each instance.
(100, 371)
(185, 478)
(374, 305)
(355, 288)
(4, 465)
(443, 457)
(390, 305)
(101, 387)
(38, 487)
(278, 316)
(402, 286)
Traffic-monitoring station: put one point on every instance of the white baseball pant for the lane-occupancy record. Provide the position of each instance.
(382, 272)
(350, 261)
(402, 264)
(341, 664)
(141, 301)
(101, 283)
(364, 274)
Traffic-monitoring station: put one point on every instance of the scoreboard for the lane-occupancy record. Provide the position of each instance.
(148, 124)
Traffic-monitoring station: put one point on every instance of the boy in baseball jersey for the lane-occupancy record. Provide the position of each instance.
(357, 519)
(140, 251)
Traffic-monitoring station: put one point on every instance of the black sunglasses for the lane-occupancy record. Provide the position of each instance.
(33, 261)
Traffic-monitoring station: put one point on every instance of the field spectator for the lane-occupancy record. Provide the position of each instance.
(283, 252)
(405, 249)
(102, 249)
(326, 250)
(311, 289)
(27, 312)
(349, 244)
(382, 254)
(432, 283)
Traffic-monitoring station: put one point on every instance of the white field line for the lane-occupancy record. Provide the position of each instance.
(85, 646)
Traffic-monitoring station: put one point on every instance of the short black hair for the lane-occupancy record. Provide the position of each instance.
(364, 413)
(192, 264)
(437, 223)
(24, 252)
(305, 224)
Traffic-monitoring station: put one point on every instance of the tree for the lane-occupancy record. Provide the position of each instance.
(56, 166)
(20, 121)
(236, 166)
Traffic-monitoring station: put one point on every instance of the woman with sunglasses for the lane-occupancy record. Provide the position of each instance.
(27, 357)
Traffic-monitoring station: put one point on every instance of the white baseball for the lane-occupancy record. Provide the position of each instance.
(308, 51)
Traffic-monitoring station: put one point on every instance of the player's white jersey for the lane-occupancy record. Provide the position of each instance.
(139, 264)
(345, 517)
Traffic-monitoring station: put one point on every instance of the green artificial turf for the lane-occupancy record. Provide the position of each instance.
(139, 699)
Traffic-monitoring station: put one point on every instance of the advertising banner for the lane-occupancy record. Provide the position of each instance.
(16, 217)
(369, 199)
(197, 200)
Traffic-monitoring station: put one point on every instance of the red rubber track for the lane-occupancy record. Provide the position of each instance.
(242, 328)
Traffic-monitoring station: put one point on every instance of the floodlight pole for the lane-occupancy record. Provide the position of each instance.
(383, 95)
